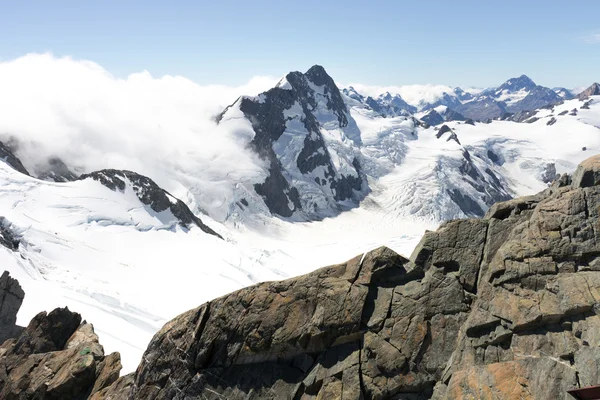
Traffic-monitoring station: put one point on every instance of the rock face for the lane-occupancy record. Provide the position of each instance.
(433, 118)
(593, 90)
(55, 170)
(388, 105)
(11, 298)
(7, 155)
(515, 96)
(504, 307)
(482, 108)
(55, 357)
(149, 194)
(300, 127)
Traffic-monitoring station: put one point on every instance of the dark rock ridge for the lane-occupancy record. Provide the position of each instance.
(7, 155)
(521, 116)
(9, 238)
(564, 93)
(504, 307)
(312, 163)
(451, 115)
(495, 103)
(149, 194)
(55, 170)
(389, 105)
(446, 129)
(593, 90)
(446, 99)
(538, 97)
(11, 298)
(435, 118)
(56, 357)
(481, 109)
(522, 82)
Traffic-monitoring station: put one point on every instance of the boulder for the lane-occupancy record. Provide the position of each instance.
(55, 357)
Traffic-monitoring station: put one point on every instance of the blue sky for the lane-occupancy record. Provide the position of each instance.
(479, 43)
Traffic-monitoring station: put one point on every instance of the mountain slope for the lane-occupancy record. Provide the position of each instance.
(303, 129)
(502, 307)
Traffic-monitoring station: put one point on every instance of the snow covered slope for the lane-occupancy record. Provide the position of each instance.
(106, 254)
(513, 96)
(303, 130)
(130, 251)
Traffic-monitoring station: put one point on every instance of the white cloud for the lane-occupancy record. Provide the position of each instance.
(592, 38)
(162, 127)
(415, 95)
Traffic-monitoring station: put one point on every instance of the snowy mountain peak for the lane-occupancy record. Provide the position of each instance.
(353, 94)
(522, 82)
(304, 131)
(462, 95)
(150, 194)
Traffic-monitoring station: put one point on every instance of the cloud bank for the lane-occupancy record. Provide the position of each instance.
(162, 127)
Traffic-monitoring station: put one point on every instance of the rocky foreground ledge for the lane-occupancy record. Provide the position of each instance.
(503, 307)
(56, 357)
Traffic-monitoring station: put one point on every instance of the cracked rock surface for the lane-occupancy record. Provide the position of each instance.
(56, 357)
(503, 307)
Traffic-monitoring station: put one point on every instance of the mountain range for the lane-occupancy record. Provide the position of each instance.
(331, 173)
(514, 96)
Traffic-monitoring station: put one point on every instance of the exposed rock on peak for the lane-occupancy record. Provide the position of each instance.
(433, 118)
(388, 105)
(11, 298)
(446, 129)
(7, 155)
(55, 170)
(593, 90)
(482, 109)
(501, 307)
(564, 93)
(522, 82)
(149, 194)
(289, 122)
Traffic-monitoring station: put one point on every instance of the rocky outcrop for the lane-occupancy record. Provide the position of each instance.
(451, 134)
(388, 105)
(56, 357)
(9, 238)
(482, 108)
(150, 194)
(11, 298)
(7, 155)
(451, 115)
(433, 118)
(55, 170)
(504, 307)
(289, 122)
(593, 90)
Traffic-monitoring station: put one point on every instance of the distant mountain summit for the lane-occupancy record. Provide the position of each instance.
(386, 104)
(297, 126)
(593, 90)
(516, 95)
(512, 85)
